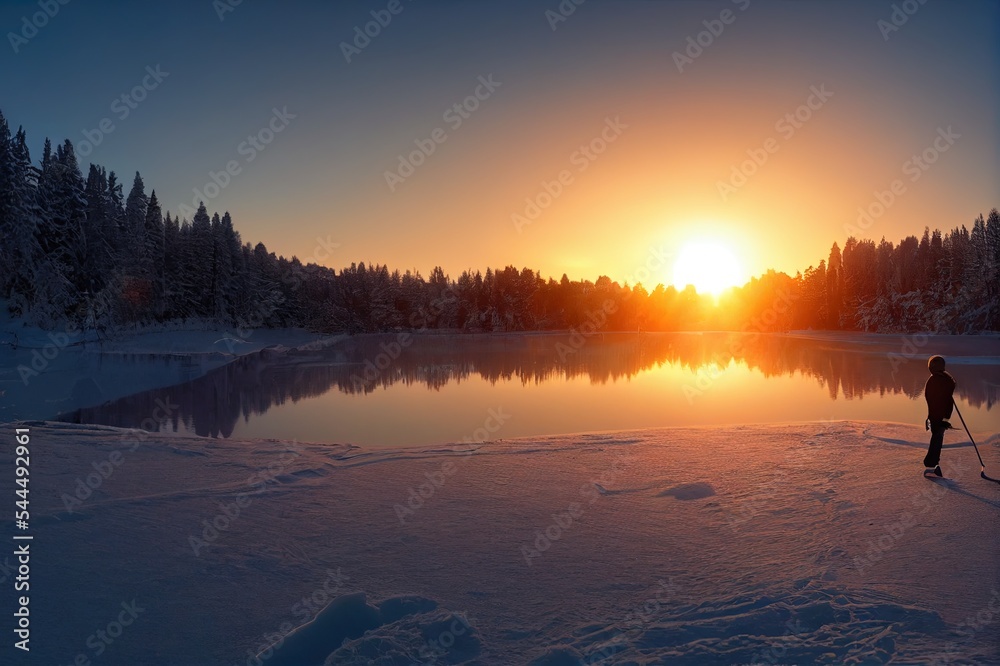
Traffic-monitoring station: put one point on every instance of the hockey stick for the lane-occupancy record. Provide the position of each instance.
(982, 471)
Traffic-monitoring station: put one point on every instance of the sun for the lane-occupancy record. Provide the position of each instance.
(708, 266)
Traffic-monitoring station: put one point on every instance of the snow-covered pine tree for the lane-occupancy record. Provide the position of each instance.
(10, 208)
(199, 286)
(923, 260)
(60, 278)
(114, 219)
(98, 262)
(908, 268)
(860, 277)
(21, 218)
(235, 288)
(185, 289)
(834, 286)
(172, 267)
(934, 296)
(222, 267)
(134, 259)
(973, 295)
(263, 284)
(153, 253)
(993, 274)
(815, 296)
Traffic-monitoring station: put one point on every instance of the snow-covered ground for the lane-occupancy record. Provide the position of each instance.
(784, 544)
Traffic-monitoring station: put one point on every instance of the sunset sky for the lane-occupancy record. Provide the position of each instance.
(669, 136)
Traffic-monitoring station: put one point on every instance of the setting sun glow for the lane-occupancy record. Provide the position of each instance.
(709, 267)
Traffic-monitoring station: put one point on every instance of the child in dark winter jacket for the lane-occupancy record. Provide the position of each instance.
(938, 391)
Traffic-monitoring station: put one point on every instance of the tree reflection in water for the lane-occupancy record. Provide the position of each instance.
(847, 366)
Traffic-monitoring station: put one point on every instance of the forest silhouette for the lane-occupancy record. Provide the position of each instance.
(77, 252)
(212, 405)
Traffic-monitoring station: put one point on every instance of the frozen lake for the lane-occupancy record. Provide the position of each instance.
(386, 391)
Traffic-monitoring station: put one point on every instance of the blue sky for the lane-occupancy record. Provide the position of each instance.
(323, 175)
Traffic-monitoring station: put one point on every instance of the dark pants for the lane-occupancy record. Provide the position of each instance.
(933, 456)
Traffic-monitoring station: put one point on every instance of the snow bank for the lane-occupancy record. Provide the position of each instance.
(797, 543)
(403, 630)
(46, 373)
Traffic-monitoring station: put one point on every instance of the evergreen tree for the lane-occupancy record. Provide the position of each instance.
(154, 253)
(974, 294)
(60, 235)
(10, 206)
(20, 217)
(136, 206)
(815, 296)
(200, 286)
(993, 271)
(834, 287)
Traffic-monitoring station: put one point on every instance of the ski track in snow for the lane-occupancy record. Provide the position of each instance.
(798, 543)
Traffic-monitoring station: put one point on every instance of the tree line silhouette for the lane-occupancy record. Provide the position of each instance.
(77, 251)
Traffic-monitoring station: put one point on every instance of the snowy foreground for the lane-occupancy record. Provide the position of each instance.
(788, 544)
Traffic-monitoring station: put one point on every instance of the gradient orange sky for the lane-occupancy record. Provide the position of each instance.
(656, 185)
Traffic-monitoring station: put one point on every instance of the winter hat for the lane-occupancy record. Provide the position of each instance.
(936, 364)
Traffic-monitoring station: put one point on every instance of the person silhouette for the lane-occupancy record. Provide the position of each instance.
(938, 391)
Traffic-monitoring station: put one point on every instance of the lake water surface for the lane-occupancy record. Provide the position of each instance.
(373, 391)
